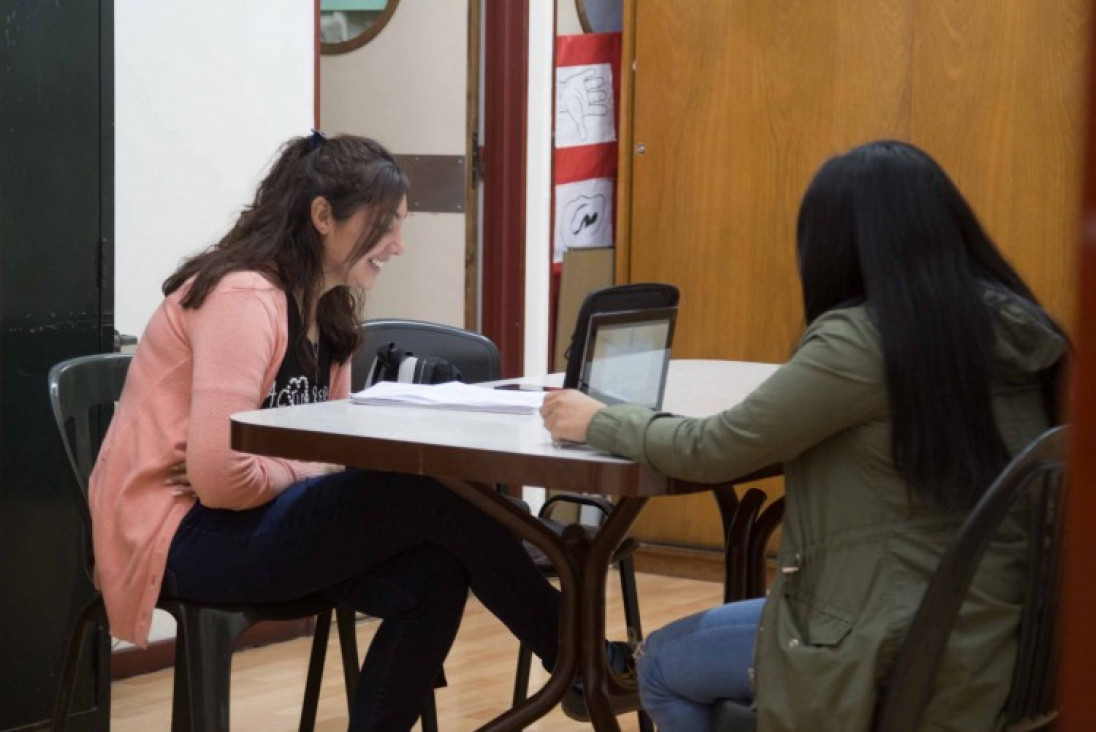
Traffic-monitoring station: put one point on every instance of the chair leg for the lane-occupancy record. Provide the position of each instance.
(208, 637)
(521, 677)
(315, 672)
(103, 676)
(63, 703)
(180, 694)
(429, 716)
(630, 594)
(348, 643)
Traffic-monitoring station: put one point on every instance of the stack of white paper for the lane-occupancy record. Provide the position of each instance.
(453, 395)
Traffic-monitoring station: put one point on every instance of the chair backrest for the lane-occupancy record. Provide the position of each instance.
(633, 296)
(1037, 471)
(82, 392)
(736, 546)
(76, 388)
(474, 354)
(760, 533)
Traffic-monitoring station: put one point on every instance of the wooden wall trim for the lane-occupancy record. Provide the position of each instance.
(471, 173)
(673, 560)
(700, 563)
(1078, 705)
(506, 80)
(626, 143)
(132, 661)
(316, 65)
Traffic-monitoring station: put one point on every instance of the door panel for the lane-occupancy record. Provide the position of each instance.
(409, 89)
(735, 105)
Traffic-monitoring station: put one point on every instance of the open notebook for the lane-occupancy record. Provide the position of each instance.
(451, 395)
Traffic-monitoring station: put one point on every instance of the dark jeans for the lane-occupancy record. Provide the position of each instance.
(399, 547)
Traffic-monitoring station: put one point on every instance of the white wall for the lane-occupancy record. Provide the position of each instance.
(538, 185)
(408, 89)
(567, 21)
(205, 92)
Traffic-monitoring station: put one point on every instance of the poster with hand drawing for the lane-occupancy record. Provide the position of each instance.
(584, 105)
(584, 215)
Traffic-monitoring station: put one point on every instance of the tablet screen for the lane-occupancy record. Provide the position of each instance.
(627, 356)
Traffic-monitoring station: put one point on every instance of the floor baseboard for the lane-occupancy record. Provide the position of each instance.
(132, 661)
(680, 561)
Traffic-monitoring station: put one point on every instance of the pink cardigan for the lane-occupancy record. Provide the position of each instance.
(192, 370)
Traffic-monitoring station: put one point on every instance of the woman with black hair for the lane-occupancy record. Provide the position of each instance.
(925, 364)
(268, 317)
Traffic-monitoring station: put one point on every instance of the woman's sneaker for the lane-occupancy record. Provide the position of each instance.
(622, 663)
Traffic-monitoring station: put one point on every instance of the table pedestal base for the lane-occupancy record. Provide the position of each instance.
(582, 565)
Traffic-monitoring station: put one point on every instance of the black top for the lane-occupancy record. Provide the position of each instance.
(296, 383)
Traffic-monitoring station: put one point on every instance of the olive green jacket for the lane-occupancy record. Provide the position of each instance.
(857, 548)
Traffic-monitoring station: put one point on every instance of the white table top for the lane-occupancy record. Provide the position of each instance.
(384, 437)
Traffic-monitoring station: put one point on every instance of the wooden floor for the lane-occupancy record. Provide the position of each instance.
(267, 683)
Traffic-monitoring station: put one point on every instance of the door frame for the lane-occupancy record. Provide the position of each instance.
(1078, 707)
(506, 91)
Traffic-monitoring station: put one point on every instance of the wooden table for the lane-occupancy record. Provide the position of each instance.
(471, 452)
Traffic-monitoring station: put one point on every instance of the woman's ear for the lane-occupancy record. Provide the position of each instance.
(321, 215)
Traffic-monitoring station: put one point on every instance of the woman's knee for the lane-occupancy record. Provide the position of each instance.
(650, 680)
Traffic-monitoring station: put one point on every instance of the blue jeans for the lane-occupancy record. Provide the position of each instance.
(689, 664)
(399, 547)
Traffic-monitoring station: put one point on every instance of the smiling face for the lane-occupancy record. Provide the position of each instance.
(341, 240)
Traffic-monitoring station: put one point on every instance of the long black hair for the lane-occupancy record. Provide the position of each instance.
(883, 225)
(275, 234)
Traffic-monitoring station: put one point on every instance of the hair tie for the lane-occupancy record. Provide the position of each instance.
(316, 140)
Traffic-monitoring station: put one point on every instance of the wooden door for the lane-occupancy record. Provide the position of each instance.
(1078, 706)
(733, 105)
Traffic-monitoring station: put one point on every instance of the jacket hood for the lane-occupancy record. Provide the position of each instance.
(1025, 341)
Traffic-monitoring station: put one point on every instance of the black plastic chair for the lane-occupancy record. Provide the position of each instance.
(747, 531)
(475, 355)
(478, 359)
(1038, 472)
(83, 392)
(618, 298)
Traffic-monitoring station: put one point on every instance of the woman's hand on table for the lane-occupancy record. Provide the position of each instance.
(567, 414)
(176, 475)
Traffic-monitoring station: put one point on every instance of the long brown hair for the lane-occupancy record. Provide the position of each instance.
(275, 236)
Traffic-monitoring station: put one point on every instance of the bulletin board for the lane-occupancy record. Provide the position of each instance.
(585, 156)
(584, 161)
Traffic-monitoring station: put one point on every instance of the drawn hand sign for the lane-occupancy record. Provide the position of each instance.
(583, 219)
(583, 95)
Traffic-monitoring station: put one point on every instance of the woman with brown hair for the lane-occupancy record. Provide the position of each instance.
(268, 317)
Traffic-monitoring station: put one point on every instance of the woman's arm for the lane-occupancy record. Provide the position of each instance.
(237, 339)
(833, 382)
(340, 380)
